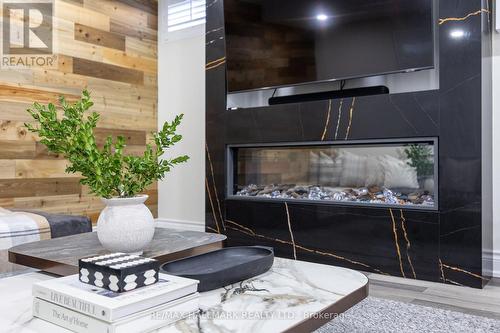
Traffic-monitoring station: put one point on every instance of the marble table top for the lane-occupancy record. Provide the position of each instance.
(60, 255)
(294, 296)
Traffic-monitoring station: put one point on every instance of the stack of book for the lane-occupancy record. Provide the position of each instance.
(81, 307)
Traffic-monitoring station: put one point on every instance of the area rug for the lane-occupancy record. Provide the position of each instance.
(375, 315)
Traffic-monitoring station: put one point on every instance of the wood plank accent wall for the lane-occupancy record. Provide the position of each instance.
(109, 47)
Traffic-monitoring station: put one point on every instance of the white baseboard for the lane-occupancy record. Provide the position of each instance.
(180, 225)
(492, 258)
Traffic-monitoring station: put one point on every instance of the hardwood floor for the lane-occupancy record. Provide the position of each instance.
(482, 302)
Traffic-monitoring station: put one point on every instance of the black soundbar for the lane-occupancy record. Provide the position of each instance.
(334, 94)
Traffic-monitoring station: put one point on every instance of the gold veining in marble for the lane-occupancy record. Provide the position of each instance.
(453, 282)
(338, 119)
(463, 18)
(212, 205)
(213, 30)
(398, 251)
(214, 41)
(408, 244)
(445, 279)
(325, 130)
(441, 269)
(250, 232)
(212, 229)
(290, 230)
(351, 111)
(210, 164)
(456, 269)
(216, 63)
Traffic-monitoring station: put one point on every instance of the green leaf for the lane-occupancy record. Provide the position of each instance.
(106, 170)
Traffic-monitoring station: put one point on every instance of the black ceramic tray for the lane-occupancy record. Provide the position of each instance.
(223, 267)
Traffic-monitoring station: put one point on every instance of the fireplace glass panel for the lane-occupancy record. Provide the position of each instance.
(395, 174)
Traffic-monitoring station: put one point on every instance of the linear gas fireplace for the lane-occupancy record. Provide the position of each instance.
(377, 173)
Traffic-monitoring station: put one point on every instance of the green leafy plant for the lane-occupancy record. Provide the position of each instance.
(106, 170)
(420, 157)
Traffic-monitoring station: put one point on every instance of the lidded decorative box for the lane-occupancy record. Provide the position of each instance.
(118, 272)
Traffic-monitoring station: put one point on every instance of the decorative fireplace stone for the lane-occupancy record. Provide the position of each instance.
(359, 173)
(362, 195)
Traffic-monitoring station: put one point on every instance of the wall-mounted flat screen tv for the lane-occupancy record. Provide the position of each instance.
(276, 43)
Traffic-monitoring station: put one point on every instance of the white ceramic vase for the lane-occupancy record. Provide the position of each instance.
(125, 225)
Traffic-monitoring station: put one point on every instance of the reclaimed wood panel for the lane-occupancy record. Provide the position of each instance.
(145, 48)
(7, 169)
(99, 37)
(123, 59)
(14, 111)
(13, 130)
(12, 93)
(153, 22)
(136, 32)
(119, 12)
(107, 71)
(65, 82)
(148, 6)
(108, 47)
(75, 48)
(72, 202)
(42, 169)
(77, 14)
(74, 2)
(13, 149)
(36, 187)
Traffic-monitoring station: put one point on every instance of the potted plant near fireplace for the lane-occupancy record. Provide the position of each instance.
(125, 224)
(421, 158)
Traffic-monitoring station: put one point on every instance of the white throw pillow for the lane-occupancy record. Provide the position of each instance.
(398, 174)
(314, 168)
(353, 170)
(375, 174)
(329, 170)
(324, 170)
(337, 172)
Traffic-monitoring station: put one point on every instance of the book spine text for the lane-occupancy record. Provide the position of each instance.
(74, 303)
(72, 320)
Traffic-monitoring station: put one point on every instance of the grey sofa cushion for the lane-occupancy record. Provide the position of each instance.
(66, 225)
(62, 224)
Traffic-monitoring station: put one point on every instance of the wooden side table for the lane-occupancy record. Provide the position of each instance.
(60, 255)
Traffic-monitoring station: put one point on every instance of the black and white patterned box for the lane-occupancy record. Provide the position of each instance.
(118, 272)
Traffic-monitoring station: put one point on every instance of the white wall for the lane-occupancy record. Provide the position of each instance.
(496, 152)
(181, 89)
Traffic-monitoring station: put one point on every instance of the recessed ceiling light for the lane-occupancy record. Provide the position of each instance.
(457, 34)
(321, 17)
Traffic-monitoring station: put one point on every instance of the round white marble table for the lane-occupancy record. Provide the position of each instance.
(294, 296)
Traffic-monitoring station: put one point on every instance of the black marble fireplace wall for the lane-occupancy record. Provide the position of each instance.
(446, 245)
